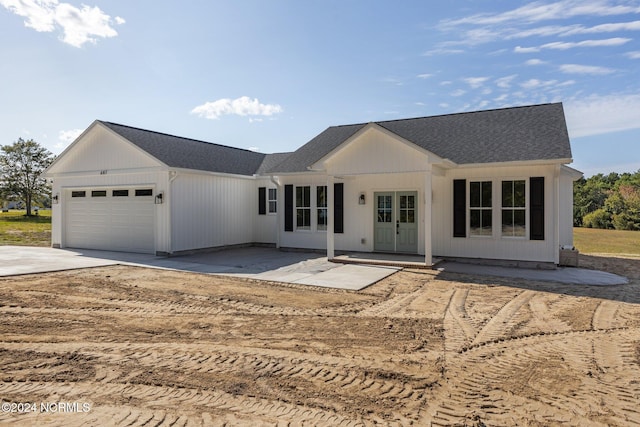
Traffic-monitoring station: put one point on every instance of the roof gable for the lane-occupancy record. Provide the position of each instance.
(97, 148)
(530, 133)
(178, 152)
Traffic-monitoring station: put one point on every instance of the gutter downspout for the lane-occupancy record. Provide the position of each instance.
(172, 177)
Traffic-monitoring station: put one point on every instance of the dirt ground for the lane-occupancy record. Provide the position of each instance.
(130, 346)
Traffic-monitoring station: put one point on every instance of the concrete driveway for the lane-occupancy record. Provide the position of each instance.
(253, 262)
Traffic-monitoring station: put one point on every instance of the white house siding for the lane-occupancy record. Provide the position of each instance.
(210, 210)
(376, 151)
(63, 184)
(358, 219)
(496, 246)
(264, 226)
(101, 149)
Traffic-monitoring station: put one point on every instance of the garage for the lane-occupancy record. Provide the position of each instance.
(114, 219)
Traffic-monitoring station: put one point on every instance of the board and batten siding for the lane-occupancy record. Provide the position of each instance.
(158, 181)
(495, 246)
(264, 226)
(210, 211)
(358, 219)
(101, 149)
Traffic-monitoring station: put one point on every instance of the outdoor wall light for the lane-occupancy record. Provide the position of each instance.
(55, 198)
(159, 198)
(361, 199)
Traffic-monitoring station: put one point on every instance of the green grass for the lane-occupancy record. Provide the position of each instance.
(18, 229)
(592, 240)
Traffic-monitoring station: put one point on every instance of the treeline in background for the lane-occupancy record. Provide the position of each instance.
(607, 201)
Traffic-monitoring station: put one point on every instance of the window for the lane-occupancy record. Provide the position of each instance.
(407, 209)
(99, 193)
(144, 192)
(120, 193)
(78, 193)
(321, 206)
(513, 208)
(384, 208)
(272, 200)
(480, 215)
(303, 208)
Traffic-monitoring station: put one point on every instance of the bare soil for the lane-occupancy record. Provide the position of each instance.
(152, 347)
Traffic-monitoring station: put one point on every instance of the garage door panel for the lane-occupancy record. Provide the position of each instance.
(110, 223)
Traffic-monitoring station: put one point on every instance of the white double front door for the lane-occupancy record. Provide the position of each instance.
(396, 221)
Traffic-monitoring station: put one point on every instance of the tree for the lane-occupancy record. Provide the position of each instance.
(21, 167)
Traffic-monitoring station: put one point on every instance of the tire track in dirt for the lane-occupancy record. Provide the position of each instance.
(151, 396)
(346, 382)
(501, 322)
(604, 315)
(393, 307)
(459, 330)
(471, 385)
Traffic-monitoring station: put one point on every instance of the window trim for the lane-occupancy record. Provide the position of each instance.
(274, 201)
(480, 208)
(302, 208)
(525, 235)
(319, 208)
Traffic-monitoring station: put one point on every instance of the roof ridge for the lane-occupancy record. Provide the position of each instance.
(468, 112)
(179, 137)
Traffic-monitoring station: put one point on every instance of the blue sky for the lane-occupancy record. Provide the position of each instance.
(270, 75)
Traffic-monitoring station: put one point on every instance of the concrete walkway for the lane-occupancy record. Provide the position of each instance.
(569, 275)
(253, 262)
(270, 264)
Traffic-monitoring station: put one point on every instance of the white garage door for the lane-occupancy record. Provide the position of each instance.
(114, 219)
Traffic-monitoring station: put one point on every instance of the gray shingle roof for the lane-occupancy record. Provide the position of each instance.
(536, 132)
(270, 161)
(187, 153)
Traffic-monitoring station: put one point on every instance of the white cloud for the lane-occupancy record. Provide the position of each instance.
(505, 82)
(79, 25)
(512, 24)
(243, 106)
(603, 28)
(254, 149)
(520, 49)
(633, 55)
(445, 82)
(442, 51)
(616, 41)
(458, 92)
(424, 76)
(538, 11)
(68, 136)
(534, 83)
(585, 69)
(475, 82)
(534, 62)
(596, 115)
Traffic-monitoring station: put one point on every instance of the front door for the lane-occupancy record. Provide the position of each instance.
(396, 222)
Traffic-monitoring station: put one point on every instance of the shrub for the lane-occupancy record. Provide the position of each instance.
(597, 219)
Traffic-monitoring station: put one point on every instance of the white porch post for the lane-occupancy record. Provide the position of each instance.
(427, 216)
(330, 196)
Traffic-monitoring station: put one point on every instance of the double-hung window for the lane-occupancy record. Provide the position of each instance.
(303, 208)
(321, 206)
(514, 209)
(272, 200)
(480, 208)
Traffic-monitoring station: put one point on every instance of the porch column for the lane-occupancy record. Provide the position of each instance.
(330, 220)
(427, 216)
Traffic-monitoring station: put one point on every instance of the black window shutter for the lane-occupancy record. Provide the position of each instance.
(536, 210)
(459, 208)
(288, 207)
(338, 208)
(262, 200)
